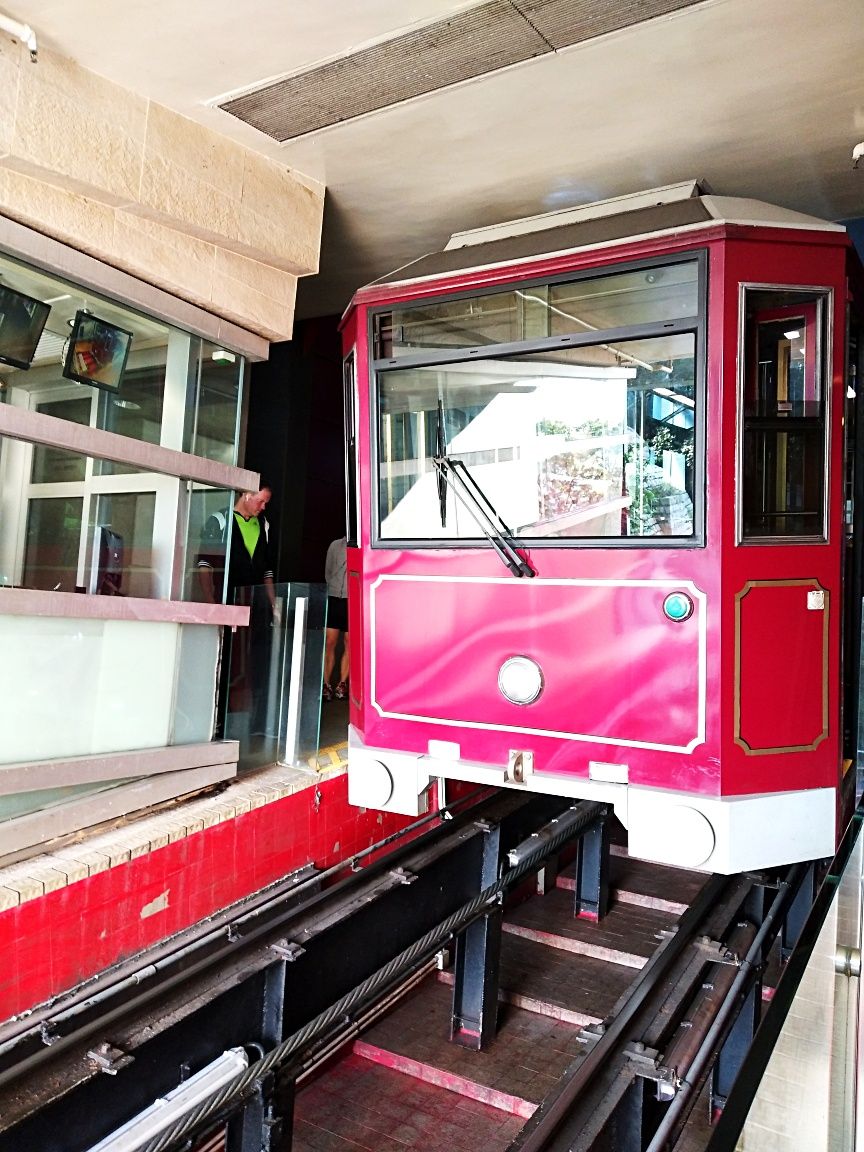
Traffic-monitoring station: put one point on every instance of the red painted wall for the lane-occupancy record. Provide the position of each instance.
(50, 944)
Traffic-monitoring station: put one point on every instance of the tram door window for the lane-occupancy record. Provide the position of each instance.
(783, 455)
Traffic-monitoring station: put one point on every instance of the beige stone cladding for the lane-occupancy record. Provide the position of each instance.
(149, 191)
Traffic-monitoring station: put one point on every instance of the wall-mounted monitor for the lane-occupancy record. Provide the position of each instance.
(97, 352)
(22, 319)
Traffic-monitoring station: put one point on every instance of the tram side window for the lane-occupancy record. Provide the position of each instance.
(783, 426)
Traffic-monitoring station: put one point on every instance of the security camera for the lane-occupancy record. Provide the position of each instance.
(857, 153)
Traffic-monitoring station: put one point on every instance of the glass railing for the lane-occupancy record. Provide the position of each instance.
(271, 683)
(800, 1086)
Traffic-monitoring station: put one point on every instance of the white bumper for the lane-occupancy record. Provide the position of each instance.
(714, 834)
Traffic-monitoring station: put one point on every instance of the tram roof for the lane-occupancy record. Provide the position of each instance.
(672, 208)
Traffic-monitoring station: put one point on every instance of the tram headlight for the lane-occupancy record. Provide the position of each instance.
(520, 680)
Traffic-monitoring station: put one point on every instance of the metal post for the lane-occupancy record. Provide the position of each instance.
(246, 1132)
(279, 1122)
(735, 1048)
(625, 1130)
(798, 912)
(547, 877)
(592, 873)
(289, 736)
(478, 960)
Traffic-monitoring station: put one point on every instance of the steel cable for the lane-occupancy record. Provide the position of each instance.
(430, 943)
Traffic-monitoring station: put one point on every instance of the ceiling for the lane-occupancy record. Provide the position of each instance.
(761, 99)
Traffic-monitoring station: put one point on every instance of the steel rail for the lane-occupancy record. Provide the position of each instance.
(41, 1026)
(728, 1129)
(578, 819)
(549, 1118)
(684, 1099)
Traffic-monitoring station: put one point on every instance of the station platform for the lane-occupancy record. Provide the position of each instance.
(90, 901)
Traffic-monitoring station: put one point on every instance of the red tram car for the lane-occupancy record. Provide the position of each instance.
(600, 489)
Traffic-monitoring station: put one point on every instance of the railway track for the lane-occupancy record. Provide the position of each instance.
(571, 1032)
(586, 1008)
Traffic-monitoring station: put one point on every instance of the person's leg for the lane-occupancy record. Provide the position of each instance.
(331, 638)
(346, 653)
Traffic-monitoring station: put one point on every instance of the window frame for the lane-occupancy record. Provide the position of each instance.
(697, 325)
(823, 299)
(352, 466)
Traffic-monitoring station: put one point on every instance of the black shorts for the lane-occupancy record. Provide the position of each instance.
(337, 613)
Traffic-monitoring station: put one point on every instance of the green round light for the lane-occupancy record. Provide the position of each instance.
(678, 606)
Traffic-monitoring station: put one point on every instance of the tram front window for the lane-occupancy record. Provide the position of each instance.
(578, 443)
(614, 300)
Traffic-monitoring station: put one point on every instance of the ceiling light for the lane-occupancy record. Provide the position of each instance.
(792, 334)
(57, 299)
(222, 356)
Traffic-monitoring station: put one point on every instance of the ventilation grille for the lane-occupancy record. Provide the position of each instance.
(467, 44)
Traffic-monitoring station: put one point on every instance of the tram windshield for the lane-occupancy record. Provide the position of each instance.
(581, 442)
(602, 303)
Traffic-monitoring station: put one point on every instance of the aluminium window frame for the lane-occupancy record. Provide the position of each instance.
(823, 296)
(697, 325)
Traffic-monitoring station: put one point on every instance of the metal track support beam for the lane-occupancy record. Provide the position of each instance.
(798, 913)
(735, 1048)
(592, 873)
(474, 1019)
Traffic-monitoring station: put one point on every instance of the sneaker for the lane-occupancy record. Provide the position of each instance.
(327, 693)
(341, 692)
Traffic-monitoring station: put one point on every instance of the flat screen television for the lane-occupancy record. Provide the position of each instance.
(97, 352)
(22, 319)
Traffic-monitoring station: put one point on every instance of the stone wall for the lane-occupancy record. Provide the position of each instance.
(125, 180)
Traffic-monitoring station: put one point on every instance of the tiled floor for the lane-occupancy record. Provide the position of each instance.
(362, 1106)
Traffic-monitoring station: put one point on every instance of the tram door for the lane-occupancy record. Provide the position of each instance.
(853, 679)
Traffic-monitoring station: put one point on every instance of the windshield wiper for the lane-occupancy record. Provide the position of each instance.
(440, 453)
(454, 474)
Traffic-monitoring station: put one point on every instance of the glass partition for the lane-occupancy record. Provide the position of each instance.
(123, 545)
(137, 412)
(110, 686)
(212, 425)
(206, 544)
(66, 526)
(55, 465)
(52, 544)
(274, 671)
(173, 388)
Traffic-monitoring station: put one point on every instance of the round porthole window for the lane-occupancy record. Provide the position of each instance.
(520, 680)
